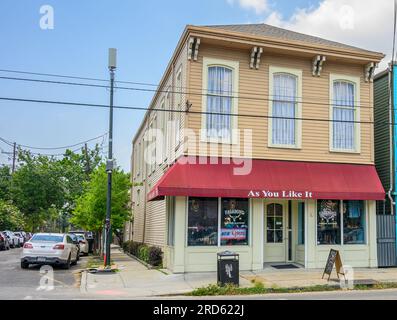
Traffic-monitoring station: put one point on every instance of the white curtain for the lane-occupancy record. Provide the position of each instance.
(219, 100)
(284, 105)
(343, 110)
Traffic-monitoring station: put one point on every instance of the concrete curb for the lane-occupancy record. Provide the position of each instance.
(83, 283)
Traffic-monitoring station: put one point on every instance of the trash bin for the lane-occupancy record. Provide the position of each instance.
(228, 268)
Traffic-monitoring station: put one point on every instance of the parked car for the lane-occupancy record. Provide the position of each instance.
(20, 237)
(4, 243)
(76, 242)
(49, 248)
(13, 239)
(83, 244)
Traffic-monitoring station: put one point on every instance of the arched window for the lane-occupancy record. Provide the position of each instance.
(343, 111)
(284, 109)
(219, 101)
(274, 223)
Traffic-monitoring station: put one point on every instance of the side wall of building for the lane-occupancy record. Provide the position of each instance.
(382, 136)
(150, 217)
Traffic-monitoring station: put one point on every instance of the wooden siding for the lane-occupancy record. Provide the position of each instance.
(315, 134)
(150, 217)
(382, 136)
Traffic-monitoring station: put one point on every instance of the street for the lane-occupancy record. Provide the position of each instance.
(16, 283)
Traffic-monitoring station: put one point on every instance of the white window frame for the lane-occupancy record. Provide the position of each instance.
(163, 127)
(357, 127)
(178, 115)
(234, 66)
(298, 108)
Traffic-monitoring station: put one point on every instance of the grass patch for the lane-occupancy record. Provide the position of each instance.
(96, 262)
(259, 288)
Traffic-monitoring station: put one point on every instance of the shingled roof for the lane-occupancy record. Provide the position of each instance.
(266, 30)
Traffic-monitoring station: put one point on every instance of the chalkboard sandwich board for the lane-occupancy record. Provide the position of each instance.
(333, 258)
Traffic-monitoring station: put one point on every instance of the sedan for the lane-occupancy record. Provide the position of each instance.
(20, 237)
(4, 243)
(12, 239)
(83, 244)
(49, 248)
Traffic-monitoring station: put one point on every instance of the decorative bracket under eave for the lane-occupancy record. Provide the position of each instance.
(255, 57)
(318, 61)
(369, 71)
(193, 47)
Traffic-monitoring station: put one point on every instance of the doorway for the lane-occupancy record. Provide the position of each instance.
(275, 232)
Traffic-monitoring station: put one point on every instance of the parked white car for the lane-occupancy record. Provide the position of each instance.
(14, 241)
(83, 244)
(49, 248)
(20, 237)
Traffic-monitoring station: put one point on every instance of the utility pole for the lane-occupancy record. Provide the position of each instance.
(14, 155)
(109, 163)
(87, 158)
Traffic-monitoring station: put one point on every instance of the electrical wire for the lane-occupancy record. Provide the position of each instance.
(53, 148)
(190, 92)
(184, 111)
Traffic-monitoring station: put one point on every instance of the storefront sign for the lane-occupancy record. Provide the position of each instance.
(333, 259)
(287, 194)
(233, 234)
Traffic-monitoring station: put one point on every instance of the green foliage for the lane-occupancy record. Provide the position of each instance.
(90, 210)
(150, 254)
(37, 186)
(5, 183)
(10, 217)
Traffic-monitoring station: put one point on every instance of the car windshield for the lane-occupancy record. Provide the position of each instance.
(47, 237)
(81, 237)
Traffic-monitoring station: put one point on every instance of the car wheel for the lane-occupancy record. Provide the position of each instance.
(24, 265)
(67, 264)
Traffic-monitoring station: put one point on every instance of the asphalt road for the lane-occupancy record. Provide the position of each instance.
(17, 283)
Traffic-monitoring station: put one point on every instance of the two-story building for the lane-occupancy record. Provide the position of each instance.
(259, 140)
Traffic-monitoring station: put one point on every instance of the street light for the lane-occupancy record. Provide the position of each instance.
(110, 162)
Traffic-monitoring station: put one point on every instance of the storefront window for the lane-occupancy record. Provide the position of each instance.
(234, 222)
(203, 222)
(328, 222)
(274, 223)
(353, 222)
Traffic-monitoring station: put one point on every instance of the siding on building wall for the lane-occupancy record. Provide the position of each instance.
(315, 135)
(382, 136)
(150, 217)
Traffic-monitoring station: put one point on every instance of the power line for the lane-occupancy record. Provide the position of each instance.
(219, 93)
(183, 111)
(52, 148)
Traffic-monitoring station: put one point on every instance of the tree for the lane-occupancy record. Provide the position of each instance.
(38, 188)
(90, 211)
(76, 169)
(5, 183)
(10, 217)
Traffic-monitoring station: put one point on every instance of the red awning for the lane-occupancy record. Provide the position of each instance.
(200, 177)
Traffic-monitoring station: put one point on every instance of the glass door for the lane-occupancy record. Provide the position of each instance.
(275, 228)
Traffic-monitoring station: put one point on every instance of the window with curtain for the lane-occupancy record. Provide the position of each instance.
(284, 106)
(219, 100)
(343, 110)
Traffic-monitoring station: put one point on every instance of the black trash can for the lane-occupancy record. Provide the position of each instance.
(228, 268)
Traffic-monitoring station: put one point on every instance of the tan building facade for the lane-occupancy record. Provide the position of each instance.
(267, 101)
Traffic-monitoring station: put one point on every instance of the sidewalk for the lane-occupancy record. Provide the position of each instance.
(134, 280)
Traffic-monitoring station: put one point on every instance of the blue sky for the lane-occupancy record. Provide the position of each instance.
(145, 34)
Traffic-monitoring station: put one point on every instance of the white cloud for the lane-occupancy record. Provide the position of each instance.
(260, 6)
(365, 24)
